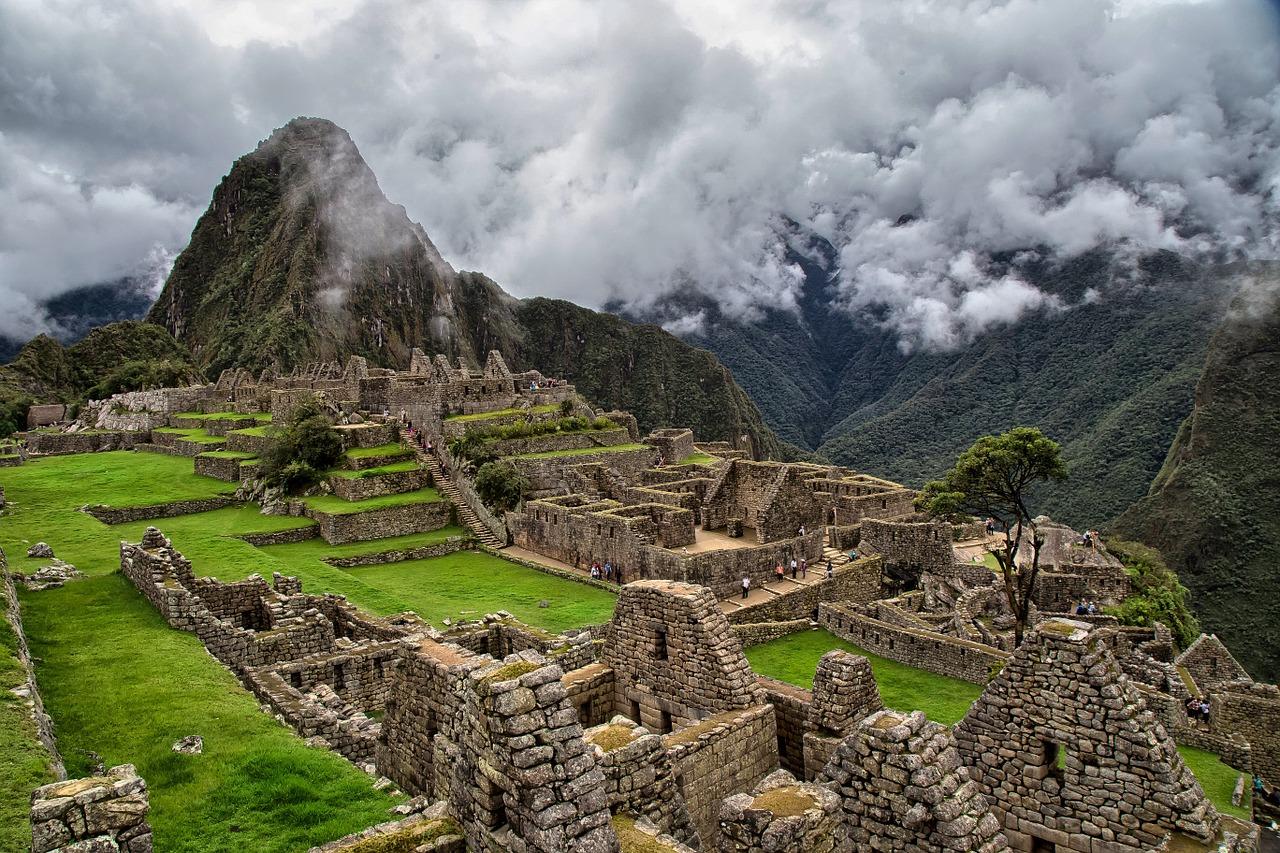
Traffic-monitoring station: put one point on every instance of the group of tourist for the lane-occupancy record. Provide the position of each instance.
(798, 567)
(1087, 608)
(424, 443)
(608, 572)
(1198, 709)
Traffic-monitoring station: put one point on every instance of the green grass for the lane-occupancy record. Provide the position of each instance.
(389, 449)
(1218, 781)
(261, 417)
(698, 458)
(44, 497)
(795, 657)
(315, 549)
(393, 468)
(120, 682)
(581, 451)
(23, 761)
(259, 431)
(228, 454)
(335, 505)
(193, 434)
(469, 584)
(481, 416)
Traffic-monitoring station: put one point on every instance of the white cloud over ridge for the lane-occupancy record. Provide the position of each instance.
(623, 150)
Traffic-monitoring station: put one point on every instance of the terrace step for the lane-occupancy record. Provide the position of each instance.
(466, 514)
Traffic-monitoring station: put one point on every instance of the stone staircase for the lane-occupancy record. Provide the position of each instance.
(466, 515)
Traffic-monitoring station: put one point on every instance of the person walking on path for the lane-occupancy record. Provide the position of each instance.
(794, 568)
(778, 572)
(831, 570)
(746, 586)
(804, 567)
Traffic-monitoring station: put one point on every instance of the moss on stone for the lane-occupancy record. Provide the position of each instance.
(510, 671)
(787, 801)
(407, 839)
(613, 737)
(632, 840)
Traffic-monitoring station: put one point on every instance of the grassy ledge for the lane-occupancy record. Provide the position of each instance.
(335, 505)
(582, 451)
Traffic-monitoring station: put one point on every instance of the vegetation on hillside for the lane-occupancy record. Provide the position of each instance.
(500, 485)
(124, 356)
(1156, 594)
(1213, 511)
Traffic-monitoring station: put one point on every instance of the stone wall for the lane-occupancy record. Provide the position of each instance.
(97, 813)
(910, 549)
(639, 779)
(378, 485)
(673, 444)
(1251, 712)
(1068, 753)
(281, 537)
(755, 633)
(422, 552)
(96, 441)
(244, 442)
(857, 582)
(722, 755)
(123, 515)
(590, 689)
(928, 650)
(1210, 664)
(559, 441)
(791, 713)
(773, 498)
(339, 528)
(674, 658)
(29, 690)
(780, 814)
(218, 467)
(549, 473)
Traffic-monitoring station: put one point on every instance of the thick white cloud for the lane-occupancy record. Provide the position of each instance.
(615, 150)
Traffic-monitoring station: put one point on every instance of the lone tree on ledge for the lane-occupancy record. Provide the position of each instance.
(991, 479)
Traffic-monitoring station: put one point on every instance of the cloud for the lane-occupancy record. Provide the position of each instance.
(620, 151)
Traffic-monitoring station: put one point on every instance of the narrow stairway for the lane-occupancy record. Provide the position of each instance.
(466, 514)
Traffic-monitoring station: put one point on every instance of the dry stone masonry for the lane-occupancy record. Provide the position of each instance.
(97, 813)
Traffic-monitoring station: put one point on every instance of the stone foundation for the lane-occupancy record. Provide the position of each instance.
(105, 813)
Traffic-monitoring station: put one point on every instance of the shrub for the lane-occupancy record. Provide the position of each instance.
(306, 446)
(1156, 594)
(500, 485)
(566, 408)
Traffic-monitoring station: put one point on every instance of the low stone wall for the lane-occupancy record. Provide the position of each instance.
(44, 724)
(439, 549)
(61, 443)
(337, 529)
(858, 582)
(218, 467)
(147, 447)
(755, 633)
(927, 650)
(558, 441)
(282, 537)
(791, 709)
(258, 445)
(367, 435)
(719, 756)
(723, 570)
(122, 515)
(590, 690)
(98, 813)
(378, 485)
(548, 473)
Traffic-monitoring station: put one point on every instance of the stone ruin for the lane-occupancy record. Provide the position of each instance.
(96, 813)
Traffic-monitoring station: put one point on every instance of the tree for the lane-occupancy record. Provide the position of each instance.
(500, 485)
(306, 446)
(1156, 594)
(992, 479)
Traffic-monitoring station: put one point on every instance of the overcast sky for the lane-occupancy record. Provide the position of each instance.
(620, 149)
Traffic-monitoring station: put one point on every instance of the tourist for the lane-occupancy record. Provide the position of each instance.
(1081, 610)
(1204, 711)
(430, 448)
(802, 530)
(804, 568)
(617, 572)
(779, 572)
(746, 586)
(595, 571)
(608, 569)
(794, 568)
(1093, 609)
(991, 526)
(1088, 539)
(831, 570)
(1193, 708)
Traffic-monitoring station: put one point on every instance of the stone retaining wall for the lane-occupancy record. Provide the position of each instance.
(62, 443)
(722, 755)
(338, 529)
(379, 485)
(218, 467)
(755, 633)
(258, 445)
(858, 582)
(548, 473)
(98, 813)
(123, 515)
(451, 545)
(590, 689)
(282, 537)
(791, 706)
(557, 441)
(928, 650)
(44, 724)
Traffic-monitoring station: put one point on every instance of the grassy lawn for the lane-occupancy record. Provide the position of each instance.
(393, 468)
(581, 451)
(480, 416)
(904, 688)
(120, 682)
(469, 584)
(1218, 780)
(23, 761)
(260, 417)
(390, 449)
(259, 431)
(44, 497)
(193, 434)
(698, 458)
(228, 454)
(335, 505)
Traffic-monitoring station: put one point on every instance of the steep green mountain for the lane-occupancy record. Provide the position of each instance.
(1109, 378)
(1214, 509)
(300, 257)
(116, 357)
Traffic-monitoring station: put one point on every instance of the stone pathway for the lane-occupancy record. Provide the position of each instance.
(466, 514)
(770, 591)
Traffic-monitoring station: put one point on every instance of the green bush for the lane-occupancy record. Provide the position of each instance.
(566, 408)
(500, 485)
(303, 448)
(1156, 594)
